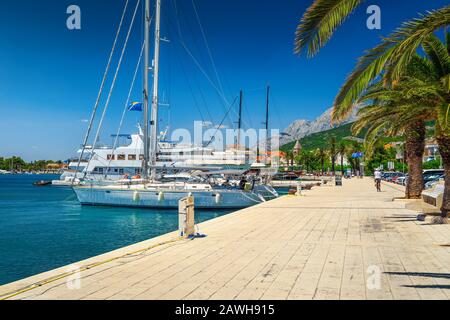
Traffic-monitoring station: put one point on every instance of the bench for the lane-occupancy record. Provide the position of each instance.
(435, 195)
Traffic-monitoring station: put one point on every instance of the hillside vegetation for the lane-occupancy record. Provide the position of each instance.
(321, 139)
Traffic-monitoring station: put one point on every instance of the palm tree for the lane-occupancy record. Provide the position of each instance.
(290, 158)
(429, 91)
(321, 155)
(390, 115)
(342, 149)
(351, 149)
(333, 153)
(402, 110)
(306, 160)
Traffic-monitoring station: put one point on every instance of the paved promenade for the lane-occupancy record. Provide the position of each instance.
(332, 243)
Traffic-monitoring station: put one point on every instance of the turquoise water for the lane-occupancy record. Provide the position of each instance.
(42, 228)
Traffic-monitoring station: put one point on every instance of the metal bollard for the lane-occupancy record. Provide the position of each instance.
(186, 215)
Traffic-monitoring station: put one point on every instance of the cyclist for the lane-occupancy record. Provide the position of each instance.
(377, 175)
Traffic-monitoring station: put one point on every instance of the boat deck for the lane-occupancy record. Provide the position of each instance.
(345, 242)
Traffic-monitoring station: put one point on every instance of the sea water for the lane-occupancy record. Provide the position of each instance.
(42, 228)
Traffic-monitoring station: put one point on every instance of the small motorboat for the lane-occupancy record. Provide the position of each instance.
(42, 183)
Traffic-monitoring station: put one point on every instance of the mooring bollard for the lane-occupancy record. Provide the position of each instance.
(186, 217)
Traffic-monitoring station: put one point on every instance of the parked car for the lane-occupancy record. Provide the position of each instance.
(430, 184)
(386, 175)
(396, 177)
(402, 180)
(433, 171)
(432, 178)
(390, 176)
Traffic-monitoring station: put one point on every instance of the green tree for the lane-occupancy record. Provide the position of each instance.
(321, 155)
(342, 149)
(402, 109)
(333, 152)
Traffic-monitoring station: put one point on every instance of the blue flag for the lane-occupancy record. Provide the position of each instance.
(135, 106)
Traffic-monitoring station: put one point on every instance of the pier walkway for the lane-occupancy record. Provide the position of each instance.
(345, 242)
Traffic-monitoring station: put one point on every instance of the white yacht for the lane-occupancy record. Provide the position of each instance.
(105, 163)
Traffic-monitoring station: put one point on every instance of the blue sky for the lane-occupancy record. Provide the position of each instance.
(50, 75)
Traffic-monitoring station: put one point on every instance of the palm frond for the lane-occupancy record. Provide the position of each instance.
(447, 41)
(437, 54)
(320, 21)
(393, 55)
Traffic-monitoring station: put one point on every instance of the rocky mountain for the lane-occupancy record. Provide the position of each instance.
(302, 128)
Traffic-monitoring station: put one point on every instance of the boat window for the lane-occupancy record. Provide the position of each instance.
(120, 157)
(131, 157)
(110, 157)
(141, 157)
(98, 170)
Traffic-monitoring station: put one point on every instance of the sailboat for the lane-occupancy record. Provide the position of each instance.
(151, 191)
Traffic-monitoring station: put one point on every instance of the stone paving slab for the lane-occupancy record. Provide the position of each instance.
(344, 243)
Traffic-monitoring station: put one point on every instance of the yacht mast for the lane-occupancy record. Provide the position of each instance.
(146, 87)
(241, 98)
(267, 115)
(266, 127)
(154, 117)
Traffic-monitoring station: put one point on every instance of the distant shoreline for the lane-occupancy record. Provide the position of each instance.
(29, 173)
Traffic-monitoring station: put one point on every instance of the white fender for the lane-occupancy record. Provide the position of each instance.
(161, 196)
(218, 198)
(136, 196)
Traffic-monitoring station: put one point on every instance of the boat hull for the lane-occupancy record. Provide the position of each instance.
(223, 199)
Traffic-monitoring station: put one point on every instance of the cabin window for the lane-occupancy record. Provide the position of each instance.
(141, 157)
(98, 170)
(120, 157)
(110, 157)
(131, 157)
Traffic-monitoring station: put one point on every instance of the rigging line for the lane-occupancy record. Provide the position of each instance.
(125, 109)
(183, 44)
(190, 86)
(113, 84)
(221, 123)
(105, 75)
(207, 47)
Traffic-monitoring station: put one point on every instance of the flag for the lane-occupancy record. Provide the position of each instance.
(135, 106)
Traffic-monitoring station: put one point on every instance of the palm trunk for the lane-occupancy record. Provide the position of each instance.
(342, 165)
(333, 164)
(444, 150)
(415, 146)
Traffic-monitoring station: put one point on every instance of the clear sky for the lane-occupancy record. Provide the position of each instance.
(49, 75)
